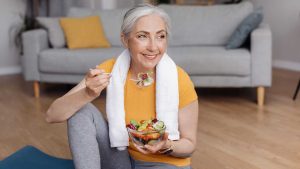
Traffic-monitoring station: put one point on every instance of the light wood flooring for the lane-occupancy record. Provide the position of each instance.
(234, 133)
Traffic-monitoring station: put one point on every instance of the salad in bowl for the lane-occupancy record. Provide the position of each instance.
(146, 131)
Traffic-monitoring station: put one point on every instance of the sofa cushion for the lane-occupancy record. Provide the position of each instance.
(111, 21)
(56, 34)
(210, 60)
(77, 61)
(205, 25)
(84, 32)
(195, 60)
(244, 29)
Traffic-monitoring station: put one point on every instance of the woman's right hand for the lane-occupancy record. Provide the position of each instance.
(96, 80)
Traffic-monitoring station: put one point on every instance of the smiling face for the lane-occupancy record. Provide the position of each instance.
(146, 42)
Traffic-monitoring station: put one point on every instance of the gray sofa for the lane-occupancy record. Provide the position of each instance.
(197, 44)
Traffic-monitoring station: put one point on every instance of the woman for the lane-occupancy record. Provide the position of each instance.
(144, 34)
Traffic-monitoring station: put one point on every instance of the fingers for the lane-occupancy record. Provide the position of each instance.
(105, 76)
(159, 145)
(101, 84)
(94, 72)
(155, 148)
(97, 74)
(141, 149)
(102, 78)
(96, 80)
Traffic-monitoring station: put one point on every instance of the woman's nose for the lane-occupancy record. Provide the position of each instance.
(152, 45)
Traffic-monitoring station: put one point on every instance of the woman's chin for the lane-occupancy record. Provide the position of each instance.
(150, 66)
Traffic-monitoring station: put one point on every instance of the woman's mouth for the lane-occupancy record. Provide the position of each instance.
(150, 57)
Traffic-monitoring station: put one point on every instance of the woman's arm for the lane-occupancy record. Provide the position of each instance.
(186, 145)
(86, 91)
(188, 124)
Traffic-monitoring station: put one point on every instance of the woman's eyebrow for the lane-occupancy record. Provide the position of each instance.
(142, 32)
(149, 33)
(161, 31)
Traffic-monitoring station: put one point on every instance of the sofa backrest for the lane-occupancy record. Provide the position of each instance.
(205, 25)
(111, 21)
(191, 25)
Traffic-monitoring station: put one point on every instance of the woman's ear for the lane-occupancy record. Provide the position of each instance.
(124, 40)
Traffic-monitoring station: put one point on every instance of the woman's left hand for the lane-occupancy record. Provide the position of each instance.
(153, 149)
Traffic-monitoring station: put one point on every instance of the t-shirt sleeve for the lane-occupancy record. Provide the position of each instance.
(187, 93)
(107, 65)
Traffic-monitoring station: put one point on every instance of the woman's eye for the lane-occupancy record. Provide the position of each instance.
(162, 36)
(141, 36)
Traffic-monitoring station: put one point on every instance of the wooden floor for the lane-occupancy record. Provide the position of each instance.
(233, 132)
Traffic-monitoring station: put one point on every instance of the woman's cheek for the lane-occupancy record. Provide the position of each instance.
(139, 45)
(162, 47)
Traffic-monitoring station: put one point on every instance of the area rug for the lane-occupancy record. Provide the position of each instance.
(30, 157)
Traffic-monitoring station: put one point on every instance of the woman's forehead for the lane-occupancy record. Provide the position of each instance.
(150, 23)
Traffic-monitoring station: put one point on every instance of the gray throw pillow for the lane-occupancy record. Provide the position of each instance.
(56, 34)
(250, 23)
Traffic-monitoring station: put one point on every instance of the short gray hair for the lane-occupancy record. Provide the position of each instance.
(135, 13)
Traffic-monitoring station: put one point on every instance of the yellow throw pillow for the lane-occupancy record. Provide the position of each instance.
(86, 32)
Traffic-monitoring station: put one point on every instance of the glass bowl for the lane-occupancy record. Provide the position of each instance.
(142, 138)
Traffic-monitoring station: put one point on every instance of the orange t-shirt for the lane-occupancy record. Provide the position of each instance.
(140, 105)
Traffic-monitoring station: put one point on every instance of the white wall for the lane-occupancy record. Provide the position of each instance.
(126, 3)
(119, 3)
(112, 4)
(10, 11)
(283, 16)
(10, 20)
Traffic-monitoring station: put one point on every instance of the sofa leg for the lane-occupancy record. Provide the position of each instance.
(36, 89)
(260, 95)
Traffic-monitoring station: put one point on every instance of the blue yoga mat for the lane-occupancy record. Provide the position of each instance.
(30, 157)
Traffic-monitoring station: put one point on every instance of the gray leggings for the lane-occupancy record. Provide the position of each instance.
(90, 147)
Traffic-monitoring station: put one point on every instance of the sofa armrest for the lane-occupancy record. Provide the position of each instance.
(34, 42)
(261, 56)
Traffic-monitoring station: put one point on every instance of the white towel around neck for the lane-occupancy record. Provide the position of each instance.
(167, 99)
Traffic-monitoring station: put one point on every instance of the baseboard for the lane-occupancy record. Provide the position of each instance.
(10, 70)
(295, 66)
